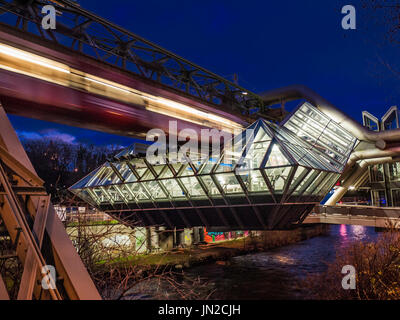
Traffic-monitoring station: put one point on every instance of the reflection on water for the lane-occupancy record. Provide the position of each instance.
(275, 274)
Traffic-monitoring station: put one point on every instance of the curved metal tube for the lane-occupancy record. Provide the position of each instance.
(357, 173)
(296, 92)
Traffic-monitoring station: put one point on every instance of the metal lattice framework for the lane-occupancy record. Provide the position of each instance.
(31, 234)
(277, 173)
(89, 34)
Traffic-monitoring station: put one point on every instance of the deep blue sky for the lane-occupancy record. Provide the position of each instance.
(269, 44)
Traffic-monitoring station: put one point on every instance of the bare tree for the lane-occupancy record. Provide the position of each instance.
(111, 252)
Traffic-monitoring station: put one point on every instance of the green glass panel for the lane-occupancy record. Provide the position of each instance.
(228, 161)
(87, 195)
(394, 170)
(324, 180)
(126, 173)
(176, 167)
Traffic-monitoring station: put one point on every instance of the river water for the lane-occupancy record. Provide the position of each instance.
(275, 274)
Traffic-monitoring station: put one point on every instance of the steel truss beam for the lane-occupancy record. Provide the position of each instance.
(38, 235)
(89, 34)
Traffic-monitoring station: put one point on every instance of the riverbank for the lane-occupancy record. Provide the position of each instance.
(224, 250)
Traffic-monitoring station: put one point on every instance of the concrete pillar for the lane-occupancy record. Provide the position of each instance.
(196, 235)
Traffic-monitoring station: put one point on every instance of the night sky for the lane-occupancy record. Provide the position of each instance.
(269, 44)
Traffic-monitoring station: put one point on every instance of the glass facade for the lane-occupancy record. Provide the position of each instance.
(377, 173)
(270, 177)
(394, 170)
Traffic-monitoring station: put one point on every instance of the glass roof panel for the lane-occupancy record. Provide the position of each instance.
(91, 178)
(114, 194)
(208, 166)
(154, 190)
(262, 134)
(158, 169)
(316, 183)
(229, 183)
(104, 176)
(309, 147)
(254, 181)
(210, 185)
(138, 191)
(166, 173)
(278, 177)
(148, 175)
(87, 195)
(276, 157)
(312, 174)
(173, 188)
(186, 171)
(228, 161)
(299, 175)
(255, 155)
(176, 167)
(324, 134)
(100, 195)
(129, 196)
(192, 186)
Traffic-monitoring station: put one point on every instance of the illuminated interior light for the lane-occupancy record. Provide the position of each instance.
(207, 116)
(29, 57)
(107, 85)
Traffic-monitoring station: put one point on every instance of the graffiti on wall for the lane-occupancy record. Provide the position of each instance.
(220, 236)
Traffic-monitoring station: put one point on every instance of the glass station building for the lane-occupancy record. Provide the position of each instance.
(269, 177)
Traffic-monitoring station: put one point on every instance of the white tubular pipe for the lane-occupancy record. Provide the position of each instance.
(362, 166)
(374, 153)
(296, 92)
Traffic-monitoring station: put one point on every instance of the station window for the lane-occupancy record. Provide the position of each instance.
(394, 169)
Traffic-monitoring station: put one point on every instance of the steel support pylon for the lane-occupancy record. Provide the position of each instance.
(38, 238)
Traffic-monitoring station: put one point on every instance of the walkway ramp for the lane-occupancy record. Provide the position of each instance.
(381, 217)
